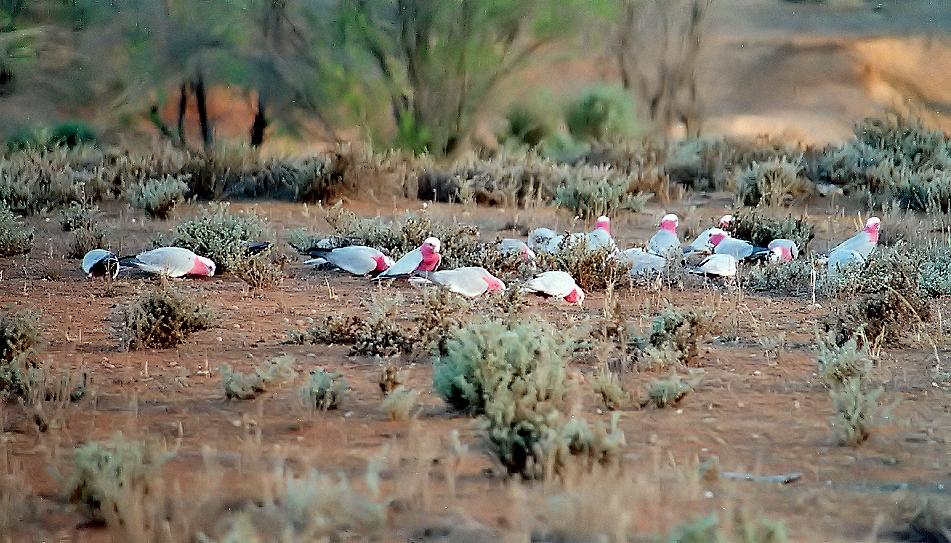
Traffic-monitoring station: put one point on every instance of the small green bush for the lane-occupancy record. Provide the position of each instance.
(247, 386)
(773, 183)
(674, 339)
(594, 191)
(110, 477)
(220, 235)
(71, 134)
(846, 371)
(16, 237)
(333, 330)
(324, 390)
(760, 229)
(526, 126)
(742, 529)
(935, 272)
(20, 334)
(259, 271)
(791, 278)
(668, 391)
(159, 197)
(608, 387)
(85, 239)
(380, 335)
(601, 113)
(79, 215)
(592, 270)
(160, 319)
(400, 403)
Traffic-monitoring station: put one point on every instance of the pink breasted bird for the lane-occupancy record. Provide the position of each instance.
(426, 257)
(557, 284)
(665, 240)
(863, 242)
(700, 242)
(171, 262)
(779, 254)
(600, 237)
(509, 246)
(723, 243)
(471, 281)
(355, 259)
(790, 249)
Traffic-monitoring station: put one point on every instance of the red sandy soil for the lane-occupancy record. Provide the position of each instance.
(765, 416)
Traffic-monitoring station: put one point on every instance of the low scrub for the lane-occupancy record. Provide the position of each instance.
(20, 334)
(742, 528)
(85, 239)
(674, 339)
(160, 319)
(332, 330)
(400, 403)
(935, 272)
(221, 235)
(379, 335)
(592, 191)
(111, 478)
(592, 270)
(792, 278)
(773, 183)
(159, 197)
(79, 215)
(259, 271)
(846, 371)
(247, 386)
(668, 391)
(760, 229)
(16, 237)
(324, 390)
(609, 389)
(601, 114)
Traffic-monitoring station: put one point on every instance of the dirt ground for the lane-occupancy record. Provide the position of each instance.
(766, 416)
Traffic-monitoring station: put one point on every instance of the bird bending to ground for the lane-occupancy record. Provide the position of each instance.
(470, 282)
(789, 248)
(509, 246)
(716, 265)
(739, 249)
(426, 257)
(557, 284)
(355, 259)
(100, 263)
(665, 240)
(700, 242)
(171, 262)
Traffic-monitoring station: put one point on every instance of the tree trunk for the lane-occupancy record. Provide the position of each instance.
(202, 105)
(182, 109)
(259, 125)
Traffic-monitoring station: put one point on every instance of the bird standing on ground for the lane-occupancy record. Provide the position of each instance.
(665, 240)
(170, 262)
(557, 284)
(856, 249)
(426, 257)
(471, 281)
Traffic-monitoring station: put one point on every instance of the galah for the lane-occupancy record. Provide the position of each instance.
(844, 258)
(170, 261)
(539, 238)
(790, 249)
(470, 282)
(355, 259)
(779, 254)
(717, 265)
(700, 242)
(426, 257)
(100, 263)
(557, 284)
(665, 240)
(642, 262)
(600, 237)
(511, 246)
(724, 244)
(863, 242)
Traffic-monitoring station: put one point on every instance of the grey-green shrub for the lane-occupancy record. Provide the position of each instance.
(160, 319)
(598, 190)
(324, 390)
(400, 403)
(16, 237)
(20, 333)
(760, 229)
(773, 183)
(259, 271)
(79, 215)
(674, 338)
(221, 235)
(742, 529)
(84, 239)
(247, 386)
(935, 272)
(846, 371)
(109, 476)
(784, 277)
(667, 391)
(159, 197)
(526, 126)
(601, 113)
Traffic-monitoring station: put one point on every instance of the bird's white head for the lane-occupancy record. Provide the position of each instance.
(209, 266)
(604, 223)
(669, 222)
(775, 255)
(726, 221)
(872, 226)
(716, 236)
(430, 245)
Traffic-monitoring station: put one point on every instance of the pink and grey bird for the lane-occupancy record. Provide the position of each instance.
(856, 249)
(600, 237)
(355, 259)
(426, 257)
(787, 248)
(512, 246)
(716, 265)
(539, 239)
(557, 284)
(100, 263)
(641, 262)
(724, 244)
(700, 242)
(665, 240)
(470, 282)
(171, 262)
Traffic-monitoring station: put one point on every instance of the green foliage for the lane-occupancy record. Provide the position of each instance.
(760, 229)
(526, 126)
(783, 277)
(247, 386)
(773, 183)
(667, 391)
(36, 180)
(595, 191)
(221, 235)
(259, 271)
(601, 113)
(85, 239)
(159, 197)
(743, 529)
(379, 335)
(71, 134)
(110, 477)
(674, 339)
(608, 387)
(333, 330)
(846, 371)
(324, 390)
(510, 179)
(79, 215)
(160, 319)
(16, 237)
(592, 270)
(935, 272)
(20, 334)
(400, 403)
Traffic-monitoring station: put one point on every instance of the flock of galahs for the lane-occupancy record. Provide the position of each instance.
(714, 253)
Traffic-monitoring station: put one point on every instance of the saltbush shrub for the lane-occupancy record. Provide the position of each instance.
(760, 229)
(16, 237)
(19, 336)
(160, 319)
(601, 113)
(846, 371)
(593, 191)
(674, 339)
(221, 235)
(324, 390)
(79, 215)
(159, 197)
(773, 183)
(247, 386)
